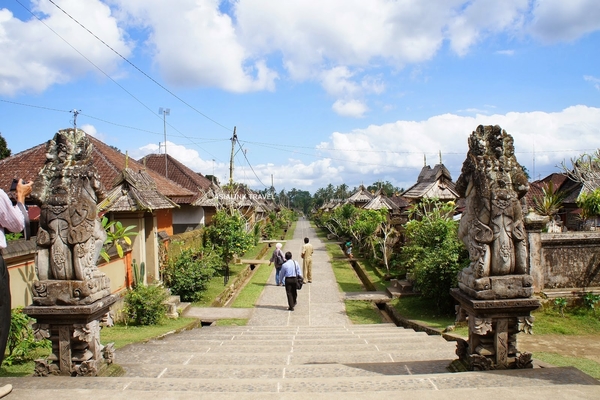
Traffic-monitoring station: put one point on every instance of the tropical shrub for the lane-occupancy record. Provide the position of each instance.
(228, 235)
(21, 339)
(145, 305)
(433, 252)
(189, 273)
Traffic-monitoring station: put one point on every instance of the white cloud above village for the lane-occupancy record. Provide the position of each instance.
(355, 91)
(397, 151)
(37, 54)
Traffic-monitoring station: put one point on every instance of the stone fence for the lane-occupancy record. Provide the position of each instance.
(566, 262)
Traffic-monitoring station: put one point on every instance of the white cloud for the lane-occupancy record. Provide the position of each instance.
(506, 52)
(395, 151)
(558, 20)
(595, 81)
(198, 45)
(350, 108)
(35, 58)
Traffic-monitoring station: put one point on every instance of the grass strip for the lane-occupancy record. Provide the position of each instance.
(374, 274)
(123, 335)
(576, 321)
(231, 322)
(422, 310)
(248, 296)
(590, 367)
(345, 276)
(363, 312)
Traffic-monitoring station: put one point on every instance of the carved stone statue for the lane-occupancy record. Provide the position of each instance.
(493, 184)
(495, 290)
(72, 295)
(70, 235)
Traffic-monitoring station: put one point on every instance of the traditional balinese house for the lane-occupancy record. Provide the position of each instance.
(433, 182)
(569, 213)
(190, 215)
(396, 206)
(135, 198)
(360, 198)
(110, 164)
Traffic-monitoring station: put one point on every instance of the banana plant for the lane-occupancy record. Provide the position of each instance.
(116, 235)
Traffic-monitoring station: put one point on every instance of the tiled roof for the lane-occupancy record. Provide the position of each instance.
(135, 191)
(108, 162)
(179, 173)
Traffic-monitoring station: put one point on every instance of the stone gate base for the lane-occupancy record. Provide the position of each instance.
(75, 334)
(493, 329)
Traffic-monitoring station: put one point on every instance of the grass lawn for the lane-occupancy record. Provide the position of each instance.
(577, 321)
(374, 274)
(422, 310)
(590, 367)
(363, 312)
(345, 276)
(123, 335)
(231, 322)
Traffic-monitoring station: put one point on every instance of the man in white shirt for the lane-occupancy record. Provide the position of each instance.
(13, 219)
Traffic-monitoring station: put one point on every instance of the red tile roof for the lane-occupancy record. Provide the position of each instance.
(179, 173)
(108, 161)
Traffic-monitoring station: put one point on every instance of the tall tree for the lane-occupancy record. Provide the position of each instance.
(4, 150)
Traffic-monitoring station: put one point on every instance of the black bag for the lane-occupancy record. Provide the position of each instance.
(279, 258)
(299, 279)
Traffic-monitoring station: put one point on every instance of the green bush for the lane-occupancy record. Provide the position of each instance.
(21, 339)
(144, 305)
(433, 253)
(189, 273)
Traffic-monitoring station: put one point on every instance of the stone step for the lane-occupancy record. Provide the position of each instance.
(287, 346)
(201, 334)
(556, 383)
(252, 358)
(295, 371)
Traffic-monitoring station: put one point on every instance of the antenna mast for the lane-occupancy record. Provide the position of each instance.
(75, 113)
(233, 140)
(165, 112)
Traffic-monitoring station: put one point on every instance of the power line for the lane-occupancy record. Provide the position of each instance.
(139, 69)
(109, 77)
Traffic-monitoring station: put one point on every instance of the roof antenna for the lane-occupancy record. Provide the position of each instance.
(75, 114)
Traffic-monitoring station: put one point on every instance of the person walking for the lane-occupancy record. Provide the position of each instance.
(278, 259)
(307, 252)
(290, 271)
(13, 219)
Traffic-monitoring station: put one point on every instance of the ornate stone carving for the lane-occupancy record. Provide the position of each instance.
(492, 228)
(72, 294)
(525, 324)
(67, 189)
(495, 290)
(481, 326)
(524, 360)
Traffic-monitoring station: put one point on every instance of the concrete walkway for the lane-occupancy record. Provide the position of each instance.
(320, 303)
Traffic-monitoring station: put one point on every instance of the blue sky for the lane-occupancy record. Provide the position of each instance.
(328, 91)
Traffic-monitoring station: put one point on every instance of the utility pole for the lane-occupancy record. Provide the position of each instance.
(165, 112)
(233, 140)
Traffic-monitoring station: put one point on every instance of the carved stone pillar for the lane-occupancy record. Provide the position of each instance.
(493, 329)
(74, 331)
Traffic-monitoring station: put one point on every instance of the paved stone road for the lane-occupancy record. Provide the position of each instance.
(319, 303)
